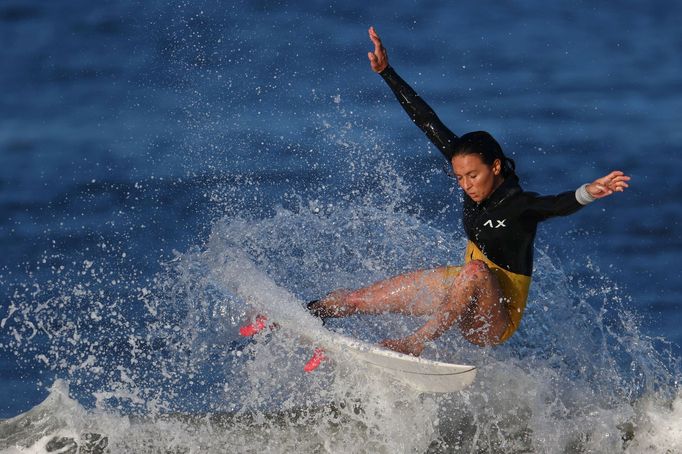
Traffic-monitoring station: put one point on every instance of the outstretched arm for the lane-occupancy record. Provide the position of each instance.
(569, 202)
(417, 109)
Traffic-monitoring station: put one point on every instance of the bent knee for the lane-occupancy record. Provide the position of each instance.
(477, 265)
(475, 269)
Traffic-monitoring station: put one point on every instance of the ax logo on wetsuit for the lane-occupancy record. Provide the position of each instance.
(500, 223)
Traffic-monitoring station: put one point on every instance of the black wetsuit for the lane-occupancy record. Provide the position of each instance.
(503, 226)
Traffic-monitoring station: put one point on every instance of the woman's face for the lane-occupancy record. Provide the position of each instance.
(475, 177)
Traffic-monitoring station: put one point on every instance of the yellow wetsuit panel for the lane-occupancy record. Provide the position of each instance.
(514, 287)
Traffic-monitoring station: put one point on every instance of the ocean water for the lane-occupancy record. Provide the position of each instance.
(145, 146)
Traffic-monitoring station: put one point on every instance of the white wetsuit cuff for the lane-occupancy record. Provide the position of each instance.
(583, 196)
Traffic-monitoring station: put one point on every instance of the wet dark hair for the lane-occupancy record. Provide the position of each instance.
(484, 145)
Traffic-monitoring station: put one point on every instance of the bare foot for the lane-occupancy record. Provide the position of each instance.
(331, 306)
(407, 345)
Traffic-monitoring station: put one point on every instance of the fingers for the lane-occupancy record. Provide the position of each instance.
(615, 181)
(378, 47)
(619, 183)
(613, 175)
(373, 35)
(616, 174)
(379, 58)
(614, 185)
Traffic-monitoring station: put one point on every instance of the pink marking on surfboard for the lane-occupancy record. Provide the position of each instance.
(314, 362)
(255, 327)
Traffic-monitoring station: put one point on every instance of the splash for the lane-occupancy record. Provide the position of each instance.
(577, 376)
(156, 364)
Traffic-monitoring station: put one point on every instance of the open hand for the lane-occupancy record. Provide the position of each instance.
(616, 181)
(378, 59)
(407, 345)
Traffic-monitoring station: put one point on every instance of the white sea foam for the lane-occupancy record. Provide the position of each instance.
(578, 376)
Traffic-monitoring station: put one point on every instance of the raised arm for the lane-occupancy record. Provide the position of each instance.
(417, 109)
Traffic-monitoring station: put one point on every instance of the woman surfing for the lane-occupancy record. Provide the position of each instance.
(486, 296)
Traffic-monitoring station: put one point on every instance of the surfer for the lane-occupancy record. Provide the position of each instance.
(486, 296)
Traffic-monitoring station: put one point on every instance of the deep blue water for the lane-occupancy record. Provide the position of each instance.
(130, 130)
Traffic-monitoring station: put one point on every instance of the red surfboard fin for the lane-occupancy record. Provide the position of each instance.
(254, 327)
(314, 362)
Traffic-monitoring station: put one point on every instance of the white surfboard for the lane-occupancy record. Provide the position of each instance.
(242, 277)
(422, 374)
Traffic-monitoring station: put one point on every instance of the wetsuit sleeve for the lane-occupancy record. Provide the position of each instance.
(545, 207)
(421, 113)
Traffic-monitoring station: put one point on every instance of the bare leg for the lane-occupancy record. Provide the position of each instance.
(475, 302)
(417, 293)
(472, 298)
